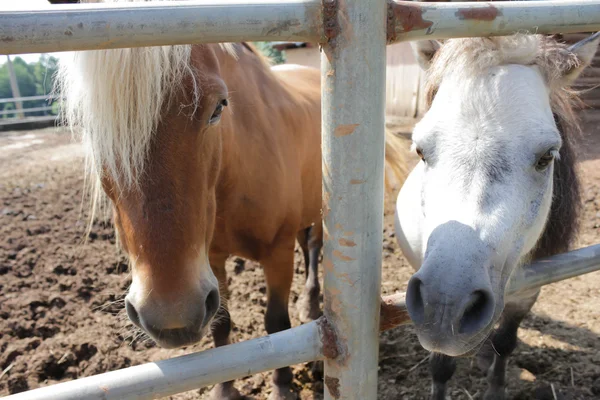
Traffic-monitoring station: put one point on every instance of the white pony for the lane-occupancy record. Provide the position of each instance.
(496, 187)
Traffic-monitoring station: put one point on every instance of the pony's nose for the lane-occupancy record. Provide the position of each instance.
(416, 299)
(443, 313)
(171, 324)
(475, 312)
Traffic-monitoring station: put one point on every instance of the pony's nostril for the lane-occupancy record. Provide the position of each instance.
(477, 312)
(415, 302)
(211, 304)
(132, 313)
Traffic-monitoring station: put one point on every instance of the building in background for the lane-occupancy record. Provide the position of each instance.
(403, 75)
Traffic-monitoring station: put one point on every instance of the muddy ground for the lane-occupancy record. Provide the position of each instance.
(61, 310)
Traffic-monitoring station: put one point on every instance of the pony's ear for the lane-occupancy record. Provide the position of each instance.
(584, 50)
(424, 51)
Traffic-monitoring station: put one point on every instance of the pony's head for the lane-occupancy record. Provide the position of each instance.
(493, 146)
(151, 120)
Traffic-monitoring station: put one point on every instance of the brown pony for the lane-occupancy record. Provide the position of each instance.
(204, 151)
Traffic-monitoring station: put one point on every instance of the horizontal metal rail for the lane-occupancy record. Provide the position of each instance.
(26, 110)
(180, 374)
(414, 20)
(556, 268)
(29, 98)
(27, 120)
(304, 343)
(114, 25)
(541, 272)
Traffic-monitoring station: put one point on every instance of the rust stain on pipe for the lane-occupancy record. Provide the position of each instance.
(345, 130)
(341, 256)
(356, 181)
(328, 338)
(331, 27)
(333, 386)
(407, 17)
(488, 13)
(346, 279)
(346, 242)
(328, 264)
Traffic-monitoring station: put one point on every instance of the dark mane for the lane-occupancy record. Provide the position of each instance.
(563, 221)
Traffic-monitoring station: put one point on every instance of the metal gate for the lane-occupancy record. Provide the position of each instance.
(353, 35)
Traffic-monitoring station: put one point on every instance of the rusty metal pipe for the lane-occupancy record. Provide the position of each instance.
(67, 27)
(418, 21)
(353, 141)
(115, 25)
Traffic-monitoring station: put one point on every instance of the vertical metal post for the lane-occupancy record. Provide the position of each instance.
(14, 85)
(353, 93)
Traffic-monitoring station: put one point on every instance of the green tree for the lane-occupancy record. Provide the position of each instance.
(44, 71)
(267, 49)
(25, 77)
(34, 79)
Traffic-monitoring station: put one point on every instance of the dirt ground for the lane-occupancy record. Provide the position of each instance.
(61, 308)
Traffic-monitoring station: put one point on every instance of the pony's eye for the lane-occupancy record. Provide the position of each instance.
(545, 160)
(420, 154)
(216, 116)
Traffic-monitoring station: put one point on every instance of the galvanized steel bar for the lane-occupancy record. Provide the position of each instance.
(353, 92)
(415, 20)
(114, 25)
(556, 268)
(27, 120)
(28, 98)
(541, 272)
(26, 110)
(192, 371)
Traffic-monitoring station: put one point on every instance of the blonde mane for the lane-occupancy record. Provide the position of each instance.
(114, 99)
(475, 55)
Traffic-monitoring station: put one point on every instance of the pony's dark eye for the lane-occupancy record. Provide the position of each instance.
(216, 116)
(420, 154)
(544, 161)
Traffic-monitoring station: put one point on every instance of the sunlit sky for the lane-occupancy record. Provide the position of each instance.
(24, 5)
